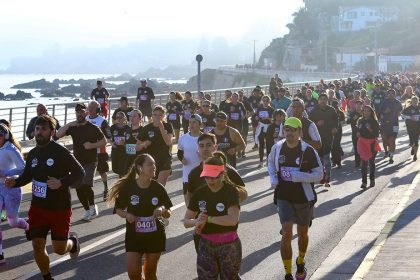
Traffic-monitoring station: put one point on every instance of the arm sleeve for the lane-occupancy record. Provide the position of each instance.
(16, 157)
(271, 166)
(314, 133)
(75, 169)
(314, 175)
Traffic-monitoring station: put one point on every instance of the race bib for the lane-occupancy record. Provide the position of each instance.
(207, 129)
(101, 100)
(130, 149)
(234, 116)
(285, 173)
(395, 129)
(39, 189)
(143, 97)
(118, 140)
(263, 114)
(172, 117)
(187, 115)
(146, 224)
(377, 101)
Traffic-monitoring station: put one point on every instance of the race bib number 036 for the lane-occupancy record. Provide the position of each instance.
(130, 149)
(39, 189)
(145, 224)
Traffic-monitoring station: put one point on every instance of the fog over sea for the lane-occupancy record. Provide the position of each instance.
(9, 80)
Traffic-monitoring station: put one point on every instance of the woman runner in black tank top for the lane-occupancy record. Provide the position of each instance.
(224, 143)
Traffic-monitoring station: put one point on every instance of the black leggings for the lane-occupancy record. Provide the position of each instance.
(86, 196)
(356, 154)
(262, 144)
(372, 168)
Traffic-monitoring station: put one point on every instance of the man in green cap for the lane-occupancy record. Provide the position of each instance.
(294, 166)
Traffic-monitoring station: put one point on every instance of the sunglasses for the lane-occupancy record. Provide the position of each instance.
(290, 129)
(218, 177)
(205, 105)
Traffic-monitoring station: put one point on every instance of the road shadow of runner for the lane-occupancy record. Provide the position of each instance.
(328, 207)
(253, 259)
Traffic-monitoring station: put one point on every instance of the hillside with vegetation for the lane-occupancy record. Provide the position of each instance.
(312, 32)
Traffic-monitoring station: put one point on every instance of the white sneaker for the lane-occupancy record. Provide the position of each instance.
(94, 211)
(87, 216)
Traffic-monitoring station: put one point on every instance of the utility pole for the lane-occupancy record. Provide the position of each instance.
(326, 53)
(376, 48)
(199, 58)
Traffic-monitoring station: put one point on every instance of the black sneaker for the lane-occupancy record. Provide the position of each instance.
(28, 236)
(288, 277)
(363, 186)
(391, 160)
(2, 260)
(412, 151)
(415, 158)
(372, 183)
(74, 252)
(300, 271)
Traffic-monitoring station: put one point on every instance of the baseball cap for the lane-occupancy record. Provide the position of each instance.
(210, 170)
(196, 117)
(221, 116)
(80, 106)
(293, 122)
(123, 98)
(143, 81)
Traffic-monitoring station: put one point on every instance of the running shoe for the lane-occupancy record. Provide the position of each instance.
(391, 160)
(105, 195)
(288, 277)
(412, 151)
(74, 252)
(2, 260)
(94, 212)
(3, 215)
(372, 183)
(261, 164)
(87, 216)
(255, 147)
(300, 271)
(363, 186)
(415, 158)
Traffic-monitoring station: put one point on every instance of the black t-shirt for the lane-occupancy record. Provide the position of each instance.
(208, 121)
(195, 181)
(131, 141)
(145, 96)
(55, 161)
(294, 159)
(216, 204)
(82, 134)
(141, 203)
(254, 101)
(364, 132)
(125, 111)
(100, 95)
(118, 135)
(235, 112)
(173, 110)
(159, 150)
(272, 135)
(188, 108)
(412, 111)
(263, 113)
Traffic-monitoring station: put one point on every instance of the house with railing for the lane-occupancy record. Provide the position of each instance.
(356, 18)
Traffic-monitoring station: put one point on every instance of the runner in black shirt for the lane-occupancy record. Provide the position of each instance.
(217, 207)
(52, 169)
(213, 107)
(294, 166)
(173, 114)
(124, 107)
(255, 101)
(144, 99)
(264, 116)
(101, 95)
(156, 140)
(411, 115)
(86, 139)
(236, 112)
(223, 106)
(143, 203)
(352, 120)
(188, 108)
(131, 138)
(229, 140)
(207, 117)
(118, 156)
(272, 136)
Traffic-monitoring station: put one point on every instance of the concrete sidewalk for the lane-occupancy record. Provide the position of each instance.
(398, 256)
(384, 243)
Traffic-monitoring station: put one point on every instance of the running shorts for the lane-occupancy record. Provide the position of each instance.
(300, 214)
(42, 220)
(103, 163)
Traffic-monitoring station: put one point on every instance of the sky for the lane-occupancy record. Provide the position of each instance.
(28, 28)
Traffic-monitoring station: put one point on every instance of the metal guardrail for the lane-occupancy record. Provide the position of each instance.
(19, 116)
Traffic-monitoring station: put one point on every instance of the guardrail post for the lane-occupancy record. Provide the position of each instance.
(65, 114)
(24, 123)
(10, 115)
(53, 112)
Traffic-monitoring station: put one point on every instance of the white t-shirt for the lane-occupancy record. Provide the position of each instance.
(189, 145)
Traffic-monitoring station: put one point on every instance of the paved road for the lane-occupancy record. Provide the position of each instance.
(102, 239)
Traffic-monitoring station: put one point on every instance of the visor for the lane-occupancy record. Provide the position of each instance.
(210, 170)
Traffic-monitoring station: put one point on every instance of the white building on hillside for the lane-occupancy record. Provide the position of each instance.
(363, 17)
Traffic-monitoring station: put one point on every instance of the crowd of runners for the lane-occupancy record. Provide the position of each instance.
(297, 133)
